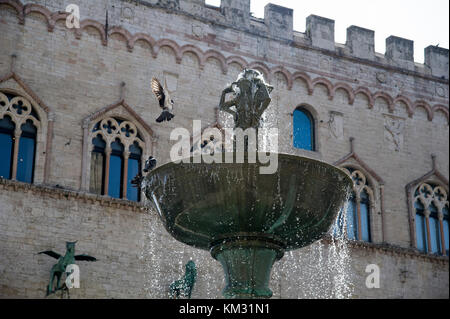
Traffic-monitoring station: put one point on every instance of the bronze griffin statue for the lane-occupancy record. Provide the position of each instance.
(185, 285)
(63, 261)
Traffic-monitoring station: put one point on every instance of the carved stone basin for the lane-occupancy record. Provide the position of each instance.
(248, 220)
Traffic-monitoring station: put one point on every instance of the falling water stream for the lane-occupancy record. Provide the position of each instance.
(319, 271)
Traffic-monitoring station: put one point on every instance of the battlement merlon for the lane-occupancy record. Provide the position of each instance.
(320, 31)
(400, 52)
(436, 59)
(279, 21)
(237, 12)
(361, 42)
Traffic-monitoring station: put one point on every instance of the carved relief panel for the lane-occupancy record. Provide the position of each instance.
(394, 128)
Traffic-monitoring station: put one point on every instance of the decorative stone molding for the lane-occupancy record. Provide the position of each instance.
(428, 195)
(130, 40)
(66, 194)
(392, 250)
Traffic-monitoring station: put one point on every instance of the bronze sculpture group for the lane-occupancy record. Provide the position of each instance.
(251, 97)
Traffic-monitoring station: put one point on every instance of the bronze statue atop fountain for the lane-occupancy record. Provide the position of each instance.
(251, 97)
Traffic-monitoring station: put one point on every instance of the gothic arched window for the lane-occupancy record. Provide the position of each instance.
(431, 219)
(116, 158)
(358, 210)
(19, 125)
(303, 130)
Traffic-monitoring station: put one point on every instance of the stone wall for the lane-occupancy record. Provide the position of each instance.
(73, 74)
(138, 259)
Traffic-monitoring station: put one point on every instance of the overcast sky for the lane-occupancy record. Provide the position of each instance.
(426, 22)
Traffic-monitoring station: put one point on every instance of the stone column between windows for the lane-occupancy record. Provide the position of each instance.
(17, 134)
(427, 220)
(108, 151)
(126, 155)
(412, 217)
(370, 217)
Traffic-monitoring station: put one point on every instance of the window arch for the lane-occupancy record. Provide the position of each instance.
(431, 219)
(116, 158)
(356, 223)
(304, 129)
(19, 124)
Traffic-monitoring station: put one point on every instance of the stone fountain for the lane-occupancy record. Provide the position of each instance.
(247, 220)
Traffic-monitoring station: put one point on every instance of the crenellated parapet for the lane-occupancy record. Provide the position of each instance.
(277, 25)
(320, 33)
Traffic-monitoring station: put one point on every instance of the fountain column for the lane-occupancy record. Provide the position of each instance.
(247, 262)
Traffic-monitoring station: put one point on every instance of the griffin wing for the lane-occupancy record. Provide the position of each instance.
(158, 90)
(85, 258)
(51, 254)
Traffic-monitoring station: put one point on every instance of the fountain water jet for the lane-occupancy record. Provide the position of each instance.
(245, 219)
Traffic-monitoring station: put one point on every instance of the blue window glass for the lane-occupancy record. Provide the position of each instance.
(133, 170)
(365, 218)
(116, 170)
(435, 238)
(98, 158)
(134, 167)
(6, 146)
(422, 242)
(26, 155)
(421, 227)
(352, 220)
(445, 222)
(303, 130)
(99, 144)
(446, 230)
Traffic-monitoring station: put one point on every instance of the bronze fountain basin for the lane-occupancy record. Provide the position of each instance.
(245, 219)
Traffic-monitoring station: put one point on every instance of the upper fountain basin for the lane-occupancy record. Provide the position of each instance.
(201, 204)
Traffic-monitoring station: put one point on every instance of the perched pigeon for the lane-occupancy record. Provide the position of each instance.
(165, 102)
(204, 143)
(149, 164)
(137, 180)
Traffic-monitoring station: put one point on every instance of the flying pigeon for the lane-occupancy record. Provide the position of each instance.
(165, 102)
(149, 164)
